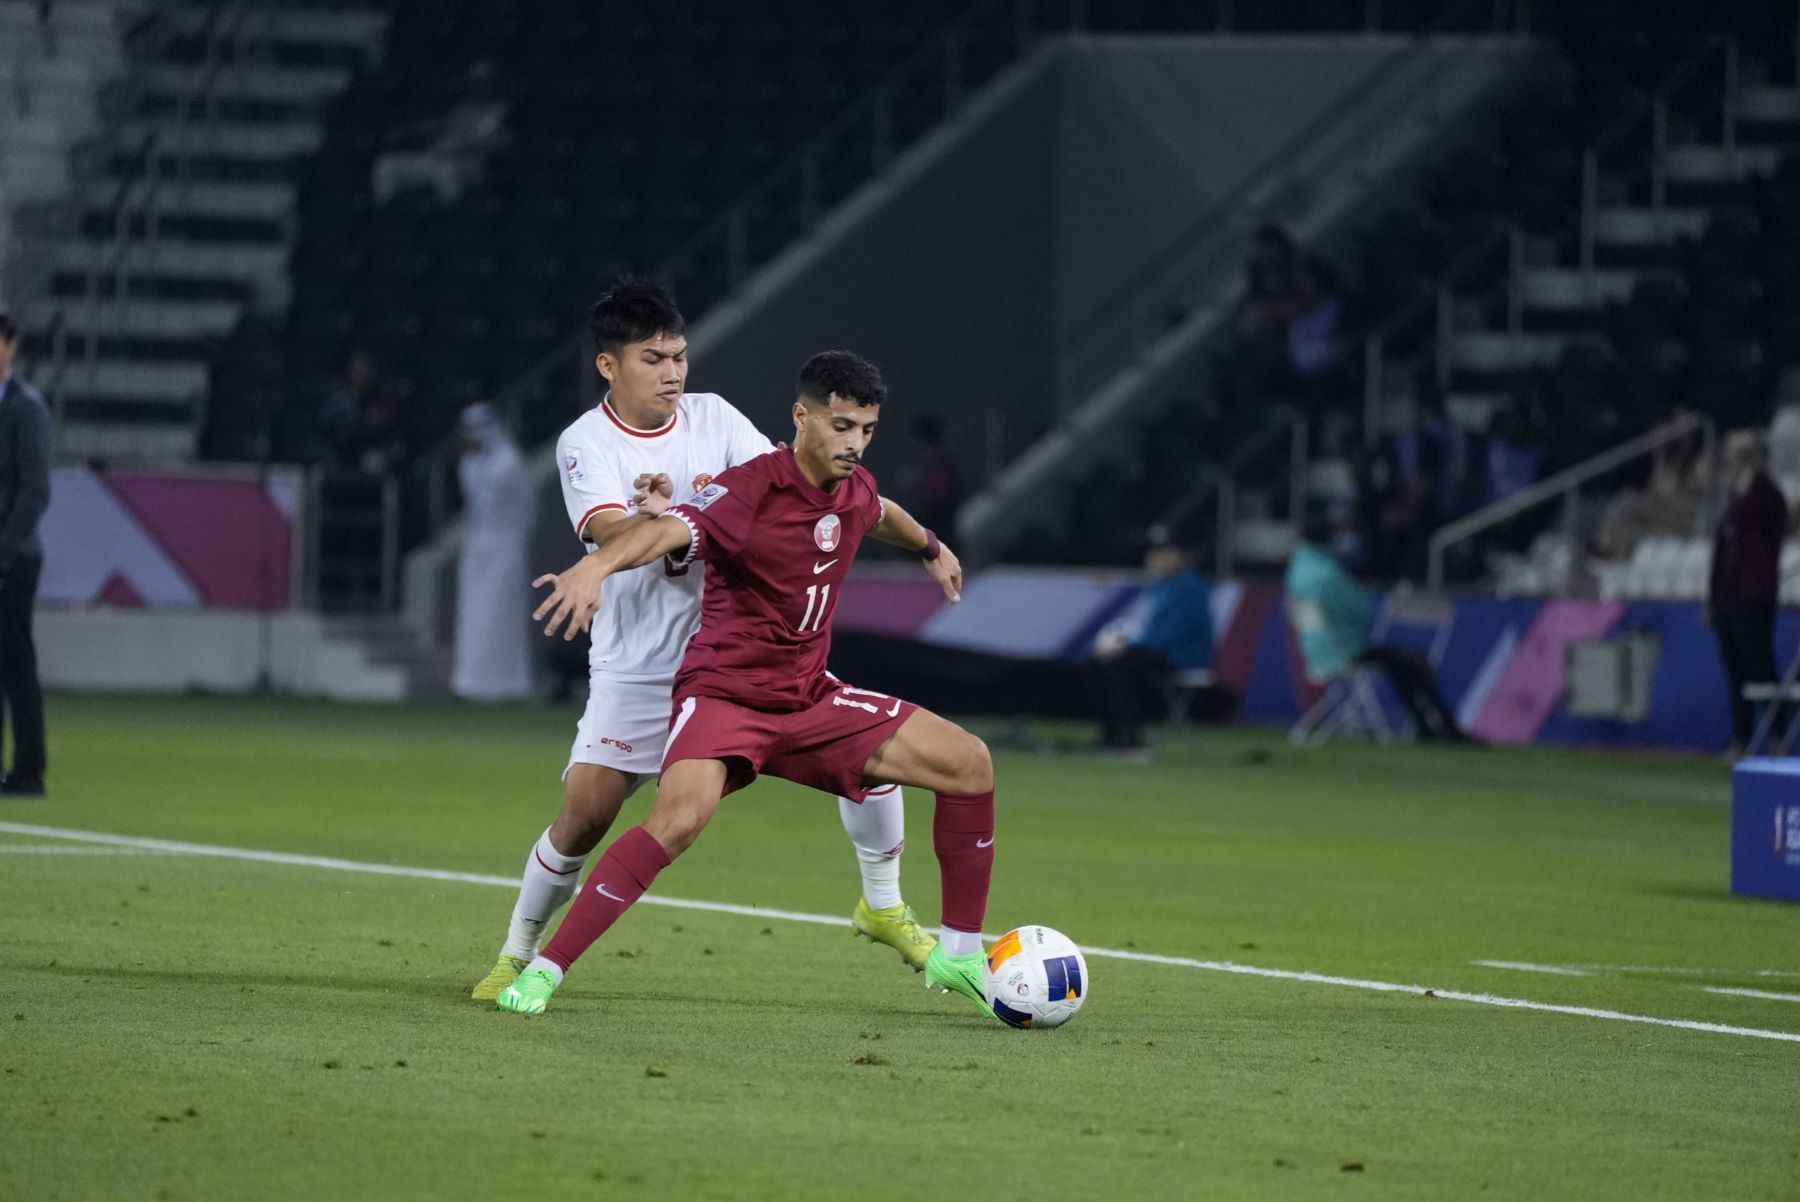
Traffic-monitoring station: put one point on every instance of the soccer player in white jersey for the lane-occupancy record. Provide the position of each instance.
(649, 442)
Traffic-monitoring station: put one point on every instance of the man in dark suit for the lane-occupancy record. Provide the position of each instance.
(1745, 587)
(24, 495)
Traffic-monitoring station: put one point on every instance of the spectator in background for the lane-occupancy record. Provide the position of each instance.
(344, 414)
(1431, 464)
(25, 434)
(1274, 273)
(1312, 331)
(450, 153)
(493, 639)
(1515, 455)
(1745, 586)
(1176, 635)
(362, 423)
(1512, 461)
(1358, 517)
(1332, 615)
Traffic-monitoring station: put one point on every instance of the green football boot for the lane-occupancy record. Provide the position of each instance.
(530, 993)
(963, 974)
(506, 970)
(895, 926)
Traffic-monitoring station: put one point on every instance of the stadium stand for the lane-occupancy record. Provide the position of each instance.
(1612, 252)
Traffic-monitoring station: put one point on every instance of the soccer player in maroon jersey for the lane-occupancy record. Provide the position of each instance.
(779, 534)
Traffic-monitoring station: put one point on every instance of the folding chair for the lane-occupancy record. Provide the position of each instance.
(1773, 698)
(1178, 689)
(1351, 703)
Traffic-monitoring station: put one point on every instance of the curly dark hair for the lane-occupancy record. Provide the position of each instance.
(844, 374)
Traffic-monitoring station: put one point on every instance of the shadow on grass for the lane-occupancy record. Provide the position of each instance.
(594, 998)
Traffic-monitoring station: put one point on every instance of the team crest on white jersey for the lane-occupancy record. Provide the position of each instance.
(826, 532)
(702, 480)
(572, 461)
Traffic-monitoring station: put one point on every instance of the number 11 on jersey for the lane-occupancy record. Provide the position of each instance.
(818, 595)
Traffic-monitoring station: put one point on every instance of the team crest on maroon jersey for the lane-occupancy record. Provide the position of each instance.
(702, 480)
(826, 532)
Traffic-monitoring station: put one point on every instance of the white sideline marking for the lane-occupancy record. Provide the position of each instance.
(52, 849)
(1761, 993)
(1588, 970)
(1280, 974)
(1555, 970)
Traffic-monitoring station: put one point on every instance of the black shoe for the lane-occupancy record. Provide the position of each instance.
(23, 786)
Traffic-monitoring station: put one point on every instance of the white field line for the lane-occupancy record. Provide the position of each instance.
(54, 849)
(1761, 993)
(1226, 966)
(1588, 970)
(1555, 970)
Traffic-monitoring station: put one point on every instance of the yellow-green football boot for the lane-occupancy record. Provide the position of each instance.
(506, 970)
(962, 974)
(530, 993)
(895, 926)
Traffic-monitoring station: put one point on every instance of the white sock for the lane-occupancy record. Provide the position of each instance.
(550, 880)
(877, 827)
(959, 943)
(549, 966)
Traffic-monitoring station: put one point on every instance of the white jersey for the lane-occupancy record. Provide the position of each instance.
(648, 614)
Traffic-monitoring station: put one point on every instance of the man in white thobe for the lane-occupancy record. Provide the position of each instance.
(493, 637)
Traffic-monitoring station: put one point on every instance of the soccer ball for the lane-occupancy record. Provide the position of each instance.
(1036, 977)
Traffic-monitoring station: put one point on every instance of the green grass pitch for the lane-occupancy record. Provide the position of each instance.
(176, 1026)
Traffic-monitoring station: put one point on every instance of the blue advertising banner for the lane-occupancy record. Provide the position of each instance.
(1765, 829)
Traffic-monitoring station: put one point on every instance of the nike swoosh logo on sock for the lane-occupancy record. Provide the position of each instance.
(601, 890)
(987, 842)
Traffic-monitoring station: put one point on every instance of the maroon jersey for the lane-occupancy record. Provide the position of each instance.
(777, 550)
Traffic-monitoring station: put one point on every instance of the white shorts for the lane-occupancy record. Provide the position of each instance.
(625, 725)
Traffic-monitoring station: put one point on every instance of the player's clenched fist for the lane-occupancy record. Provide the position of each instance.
(574, 599)
(654, 492)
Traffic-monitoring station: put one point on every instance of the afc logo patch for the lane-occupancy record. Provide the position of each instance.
(706, 496)
(827, 532)
(572, 462)
(702, 480)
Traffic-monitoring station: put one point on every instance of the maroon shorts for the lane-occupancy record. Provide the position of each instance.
(823, 746)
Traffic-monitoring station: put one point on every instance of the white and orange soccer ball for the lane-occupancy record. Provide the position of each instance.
(1036, 977)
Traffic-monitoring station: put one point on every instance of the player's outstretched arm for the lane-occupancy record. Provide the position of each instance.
(575, 594)
(902, 530)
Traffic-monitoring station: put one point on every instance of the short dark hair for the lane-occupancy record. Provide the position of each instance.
(9, 327)
(845, 374)
(633, 309)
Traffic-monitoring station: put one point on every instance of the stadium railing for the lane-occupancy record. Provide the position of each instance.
(1565, 487)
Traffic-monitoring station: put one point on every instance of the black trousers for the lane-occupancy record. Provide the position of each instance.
(1416, 681)
(1124, 680)
(1746, 635)
(21, 697)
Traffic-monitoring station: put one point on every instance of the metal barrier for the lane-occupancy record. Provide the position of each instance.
(1565, 486)
(1218, 485)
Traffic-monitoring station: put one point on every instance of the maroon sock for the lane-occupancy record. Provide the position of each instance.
(628, 868)
(962, 830)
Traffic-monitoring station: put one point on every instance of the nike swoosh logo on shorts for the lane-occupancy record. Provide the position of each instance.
(987, 842)
(601, 890)
(820, 567)
(896, 708)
